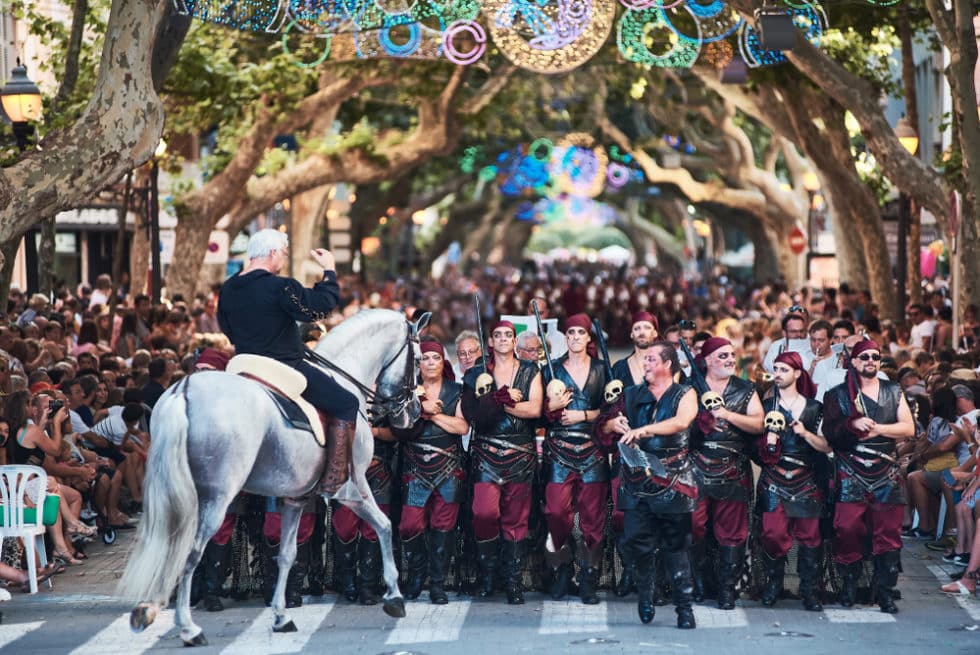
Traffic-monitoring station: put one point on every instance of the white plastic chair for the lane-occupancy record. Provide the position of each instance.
(18, 484)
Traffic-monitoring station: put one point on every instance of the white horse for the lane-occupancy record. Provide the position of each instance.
(216, 434)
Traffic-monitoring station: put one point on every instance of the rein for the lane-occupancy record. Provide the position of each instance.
(387, 404)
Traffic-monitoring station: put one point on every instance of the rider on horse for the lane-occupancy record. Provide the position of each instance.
(258, 310)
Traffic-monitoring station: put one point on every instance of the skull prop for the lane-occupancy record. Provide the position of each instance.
(712, 400)
(420, 391)
(775, 422)
(484, 382)
(613, 391)
(555, 390)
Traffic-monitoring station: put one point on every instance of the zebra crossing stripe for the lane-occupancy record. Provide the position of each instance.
(259, 638)
(425, 622)
(858, 615)
(969, 605)
(712, 617)
(119, 639)
(13, 631)
(562, 617)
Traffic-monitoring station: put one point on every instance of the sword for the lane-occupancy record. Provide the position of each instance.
(556, 387)
(640, 459)
(614, 387)
(484, 380)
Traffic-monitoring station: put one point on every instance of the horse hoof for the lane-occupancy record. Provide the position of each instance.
(199, 640)
(141, 617)
(288, 626)
(395, 607)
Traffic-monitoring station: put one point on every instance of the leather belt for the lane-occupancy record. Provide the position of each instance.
(860, 448)
(505, 445)
(793, 460)
(576, 447)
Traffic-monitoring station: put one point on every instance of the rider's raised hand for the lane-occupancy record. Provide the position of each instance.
(324, 258)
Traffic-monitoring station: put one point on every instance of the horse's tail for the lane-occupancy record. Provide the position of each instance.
(167, 529)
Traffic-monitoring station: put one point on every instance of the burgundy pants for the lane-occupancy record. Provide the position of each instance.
(346, 524)
(436, 514)
(501, 508)
(779, 530)
(223, 534)
(561, 502)
(731, 521)
(617, 515)
(272, 527)
(851, 523)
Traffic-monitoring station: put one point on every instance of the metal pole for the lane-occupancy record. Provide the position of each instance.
(155, 280)
(901, 259)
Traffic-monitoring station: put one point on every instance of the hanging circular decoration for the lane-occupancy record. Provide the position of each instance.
(715, 21)
(519, 27)
(475, 32)
(581, 168)
(393, 22)
(646, 4)
(809, 19)
(325, 17)
(303, 64)
(541, 149)
(617, 175)
(636, 29)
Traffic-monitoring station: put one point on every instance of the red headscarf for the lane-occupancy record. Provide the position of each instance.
(502, 324)
(436, 347)
(212, 358)
(803, 384)
(647, 317)
(583, 321)
(713, 344)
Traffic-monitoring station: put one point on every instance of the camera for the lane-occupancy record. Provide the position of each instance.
(54, 406)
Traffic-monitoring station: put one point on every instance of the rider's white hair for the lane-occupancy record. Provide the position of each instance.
(264, 242)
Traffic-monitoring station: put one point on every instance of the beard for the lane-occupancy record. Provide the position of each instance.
(643, 343)
(786, 384)
(868, 374)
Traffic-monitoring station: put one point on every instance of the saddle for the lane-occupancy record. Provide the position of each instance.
(284, 385)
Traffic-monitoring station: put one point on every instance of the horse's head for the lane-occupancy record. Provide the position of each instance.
(396, 396)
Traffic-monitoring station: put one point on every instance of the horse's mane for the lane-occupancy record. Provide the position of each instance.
(366, 326)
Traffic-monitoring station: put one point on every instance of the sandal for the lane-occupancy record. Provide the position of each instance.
(42, 576)
(81, 530)
(958, 588)
(66, 559)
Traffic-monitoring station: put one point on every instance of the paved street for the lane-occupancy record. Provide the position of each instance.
(80, 616)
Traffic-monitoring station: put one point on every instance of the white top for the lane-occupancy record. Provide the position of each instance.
(923, 331)
(778, 347)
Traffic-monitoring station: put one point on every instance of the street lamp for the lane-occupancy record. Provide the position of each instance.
(21, 100)
(909, 139)
(156, 277)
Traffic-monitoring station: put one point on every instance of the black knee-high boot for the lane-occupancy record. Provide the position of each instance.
(730, 559)
(627, 582)
(561, 571)
(643, 571)
(515, 557)
(215, 563)
(369, 571)
(345, 567)
(270, 570)
(849, 575)
(590, 564)
(809, 566)
(416, 559)
(487, 554)
(678, 567)
(294, 581)
(696, 551)
(887, 566)
(440, 553)
(775, 570)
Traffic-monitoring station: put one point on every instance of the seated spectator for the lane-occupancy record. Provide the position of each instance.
(935, 454)
(160, 373)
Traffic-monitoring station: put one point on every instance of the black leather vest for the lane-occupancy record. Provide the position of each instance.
(792, 480)
(570, 448)
(436, 459)
(621, 371)
(672, 449)
(723, 469)
(870, 468)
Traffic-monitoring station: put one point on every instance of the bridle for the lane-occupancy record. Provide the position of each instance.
(380, 405)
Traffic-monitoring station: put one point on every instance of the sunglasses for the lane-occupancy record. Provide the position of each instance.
(797, 309)
(869, 357)
(687, 325)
